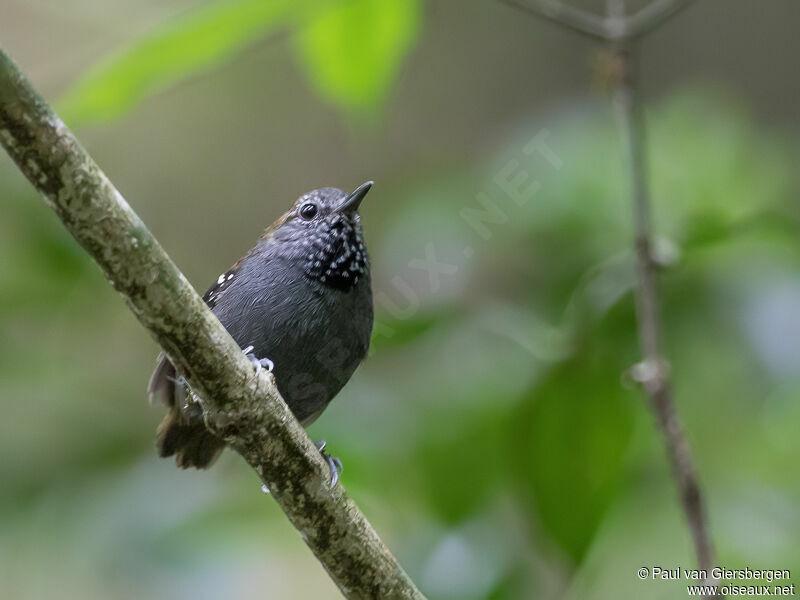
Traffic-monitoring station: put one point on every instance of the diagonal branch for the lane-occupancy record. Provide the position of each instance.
(652, 16)
(243, 408)
(565, 15)
(608, 28)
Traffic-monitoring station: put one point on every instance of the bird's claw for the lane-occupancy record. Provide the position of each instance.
(334, 464)
(258, 363)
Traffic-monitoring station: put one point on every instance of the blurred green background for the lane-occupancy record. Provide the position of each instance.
(491, 436)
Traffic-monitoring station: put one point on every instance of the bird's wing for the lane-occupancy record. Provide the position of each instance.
(164, 384)
(222, 283)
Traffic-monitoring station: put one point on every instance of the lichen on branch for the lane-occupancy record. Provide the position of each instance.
(242, 407)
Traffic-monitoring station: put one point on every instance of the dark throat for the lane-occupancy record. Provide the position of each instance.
(336, 254)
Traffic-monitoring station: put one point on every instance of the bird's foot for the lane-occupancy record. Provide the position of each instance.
(258, 363)
(334, 464)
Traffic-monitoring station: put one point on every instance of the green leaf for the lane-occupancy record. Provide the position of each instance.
(195, 42)
(353, 49)
(463, 466)
(574, 434)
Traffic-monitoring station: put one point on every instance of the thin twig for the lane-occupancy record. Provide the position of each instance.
(653, 372)
(609, 28)
(242, 408)
(567, 16)
(652, 16)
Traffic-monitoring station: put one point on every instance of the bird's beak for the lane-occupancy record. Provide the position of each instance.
(353, 201)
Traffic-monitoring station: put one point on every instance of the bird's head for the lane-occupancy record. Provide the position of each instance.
(322, 230)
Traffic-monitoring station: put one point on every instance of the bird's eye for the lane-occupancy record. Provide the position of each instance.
(308, 211)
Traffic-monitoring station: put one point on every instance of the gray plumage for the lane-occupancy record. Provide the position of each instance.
(302, 298)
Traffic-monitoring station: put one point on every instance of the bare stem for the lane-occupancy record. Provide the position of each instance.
(653, 16)
(242, 408)
(620, 31)
(613, 27)
(567, 16)
(653, 372)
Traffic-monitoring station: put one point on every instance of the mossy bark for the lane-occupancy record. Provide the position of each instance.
(242, 407)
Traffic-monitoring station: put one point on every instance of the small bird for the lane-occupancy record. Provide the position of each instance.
(298, 303)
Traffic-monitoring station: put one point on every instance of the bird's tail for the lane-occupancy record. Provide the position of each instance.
(182, 432)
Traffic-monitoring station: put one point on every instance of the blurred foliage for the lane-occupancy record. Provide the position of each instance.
(512, 434)
(572, 454)
(200, 39)
(491, 434)
(351, 50)
(571, 442)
